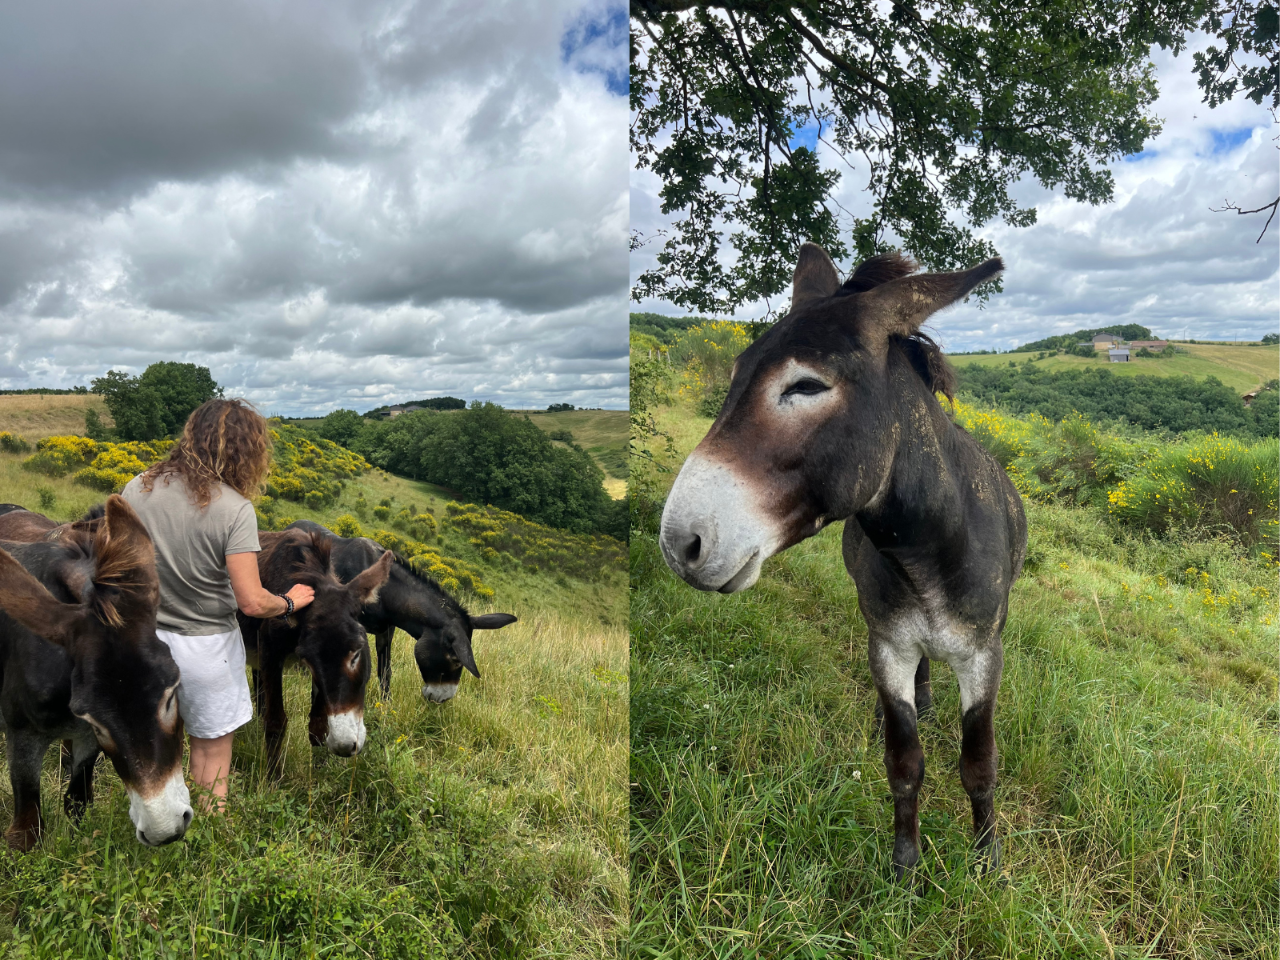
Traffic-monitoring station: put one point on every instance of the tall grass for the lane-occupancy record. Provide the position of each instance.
(1138, 760)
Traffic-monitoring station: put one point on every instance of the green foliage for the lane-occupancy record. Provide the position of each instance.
(1211, 482)
(951, 107)
(94, 428)
(1246, 60)
(535, 546)
(341, 426)
(48, 498)
(1125, 331)
(662, 328)
(157, 403)
(1270, 338)
(707, 353)
(650, 387)
(1177, 404)
(430, 403)
(307, 468)
(559, 407)
(490, 456)
(564, 436)
(12, 443)
(59, 456)
(1265, 410)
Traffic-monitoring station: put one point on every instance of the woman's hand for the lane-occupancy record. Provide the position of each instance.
(301, 595)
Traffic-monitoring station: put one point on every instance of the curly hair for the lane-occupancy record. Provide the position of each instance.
(224, 441)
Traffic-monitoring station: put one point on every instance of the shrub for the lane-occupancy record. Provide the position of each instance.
(707, 352)
(94, 428)
(58, 456)
(48, 498)
(12, 443)
(315, 499)
(1208, 482)
(346, 526)
(382, 513)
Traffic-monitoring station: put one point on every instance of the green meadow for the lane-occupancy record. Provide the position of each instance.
(493, 825)
(1136, 725)
(1241, 367)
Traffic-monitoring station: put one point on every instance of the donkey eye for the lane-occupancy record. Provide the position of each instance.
(805, 388)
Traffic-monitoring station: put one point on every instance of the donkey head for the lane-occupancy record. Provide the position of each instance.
(331, 641)
(123, 679)
(808, 430)
(445, 648)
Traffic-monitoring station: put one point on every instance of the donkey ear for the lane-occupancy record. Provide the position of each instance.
(25, 599)
(123, 532)
(492, 621)
(365, 586)
(900, 306)
(815, 278)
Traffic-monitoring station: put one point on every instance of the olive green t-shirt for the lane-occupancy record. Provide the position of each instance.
(192, 545)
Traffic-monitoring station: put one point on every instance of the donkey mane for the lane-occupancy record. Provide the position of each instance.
(123, 574)
(449, 602)
(311, 558)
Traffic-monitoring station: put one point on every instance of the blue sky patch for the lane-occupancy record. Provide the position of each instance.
(806, 136)
(1224, 141)
(596, 42)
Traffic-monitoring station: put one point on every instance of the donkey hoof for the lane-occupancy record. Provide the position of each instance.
(988, 857)
(21, 839)
(905, 857)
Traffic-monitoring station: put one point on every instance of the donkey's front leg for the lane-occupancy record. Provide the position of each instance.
(318, 721)
(83, 755)
(979, 680)
(274, 720)
(382, 641)
(26, 750)
(894, 673)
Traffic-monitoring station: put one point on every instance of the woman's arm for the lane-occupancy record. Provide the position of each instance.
(252, 599)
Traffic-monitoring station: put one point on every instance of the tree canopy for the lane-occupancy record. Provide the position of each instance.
(157, 403)
(945, 104)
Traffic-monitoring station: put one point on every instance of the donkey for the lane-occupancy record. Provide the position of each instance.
(420, 607)
(831, 415)
(326, 636)
(81, 662)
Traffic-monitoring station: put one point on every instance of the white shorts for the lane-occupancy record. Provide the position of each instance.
(213, 694)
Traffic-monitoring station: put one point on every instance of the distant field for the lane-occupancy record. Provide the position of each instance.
(1242, 368)
(602, 433)
(33, 416)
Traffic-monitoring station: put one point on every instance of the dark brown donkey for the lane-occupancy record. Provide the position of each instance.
(831, 415)
(326, 636)
(81, 663)
(420, 607)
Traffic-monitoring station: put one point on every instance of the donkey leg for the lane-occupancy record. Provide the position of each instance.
(894, 674)
(26, 756)
(924, 692)
(256, 689)
(83, 755)
(382, 641)
(318, 721)
(979, 679)
(274, 720)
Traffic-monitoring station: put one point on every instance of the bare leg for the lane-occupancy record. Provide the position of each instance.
(211, 768)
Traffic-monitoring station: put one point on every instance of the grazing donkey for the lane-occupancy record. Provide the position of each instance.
(81, 663)
(417, 605)
(831, 415)
(325, 636)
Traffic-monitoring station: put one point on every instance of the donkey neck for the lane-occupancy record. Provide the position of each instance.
(917, 506)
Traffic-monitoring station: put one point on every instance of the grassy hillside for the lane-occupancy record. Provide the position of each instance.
(35, 416)
(1138, 759)
(492, 825)
(1243, 368)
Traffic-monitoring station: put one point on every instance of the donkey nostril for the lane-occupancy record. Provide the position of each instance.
(693, 550)
(186, 818)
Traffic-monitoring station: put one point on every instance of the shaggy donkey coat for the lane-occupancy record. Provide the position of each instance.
(832, 415)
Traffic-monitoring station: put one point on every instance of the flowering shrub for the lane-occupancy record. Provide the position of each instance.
(1210, 481)
(58, 456)
(309, 470)
(12, 443)
(707, 352)
(495, 532)
(111, 469)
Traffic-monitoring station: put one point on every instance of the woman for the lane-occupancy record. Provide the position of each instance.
(196, 507)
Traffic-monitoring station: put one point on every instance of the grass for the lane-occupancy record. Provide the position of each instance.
(493, 825)
(1138, 761)
(34, 416)
(1242, 368)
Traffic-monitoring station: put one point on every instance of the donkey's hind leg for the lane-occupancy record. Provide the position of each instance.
(26, 749)
(894, 674)
(382, 641)
(924, 692)
(979, 679)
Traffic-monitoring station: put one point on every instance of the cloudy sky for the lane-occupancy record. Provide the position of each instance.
(329, 205)
(1156, 256)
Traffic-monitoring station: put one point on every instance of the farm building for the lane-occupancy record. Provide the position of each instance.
(1149, 344)
(1118, 354)
(1104, 341)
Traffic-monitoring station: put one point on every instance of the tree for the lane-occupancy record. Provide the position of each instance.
(948, 105)
(341, 426)
(157, 403)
